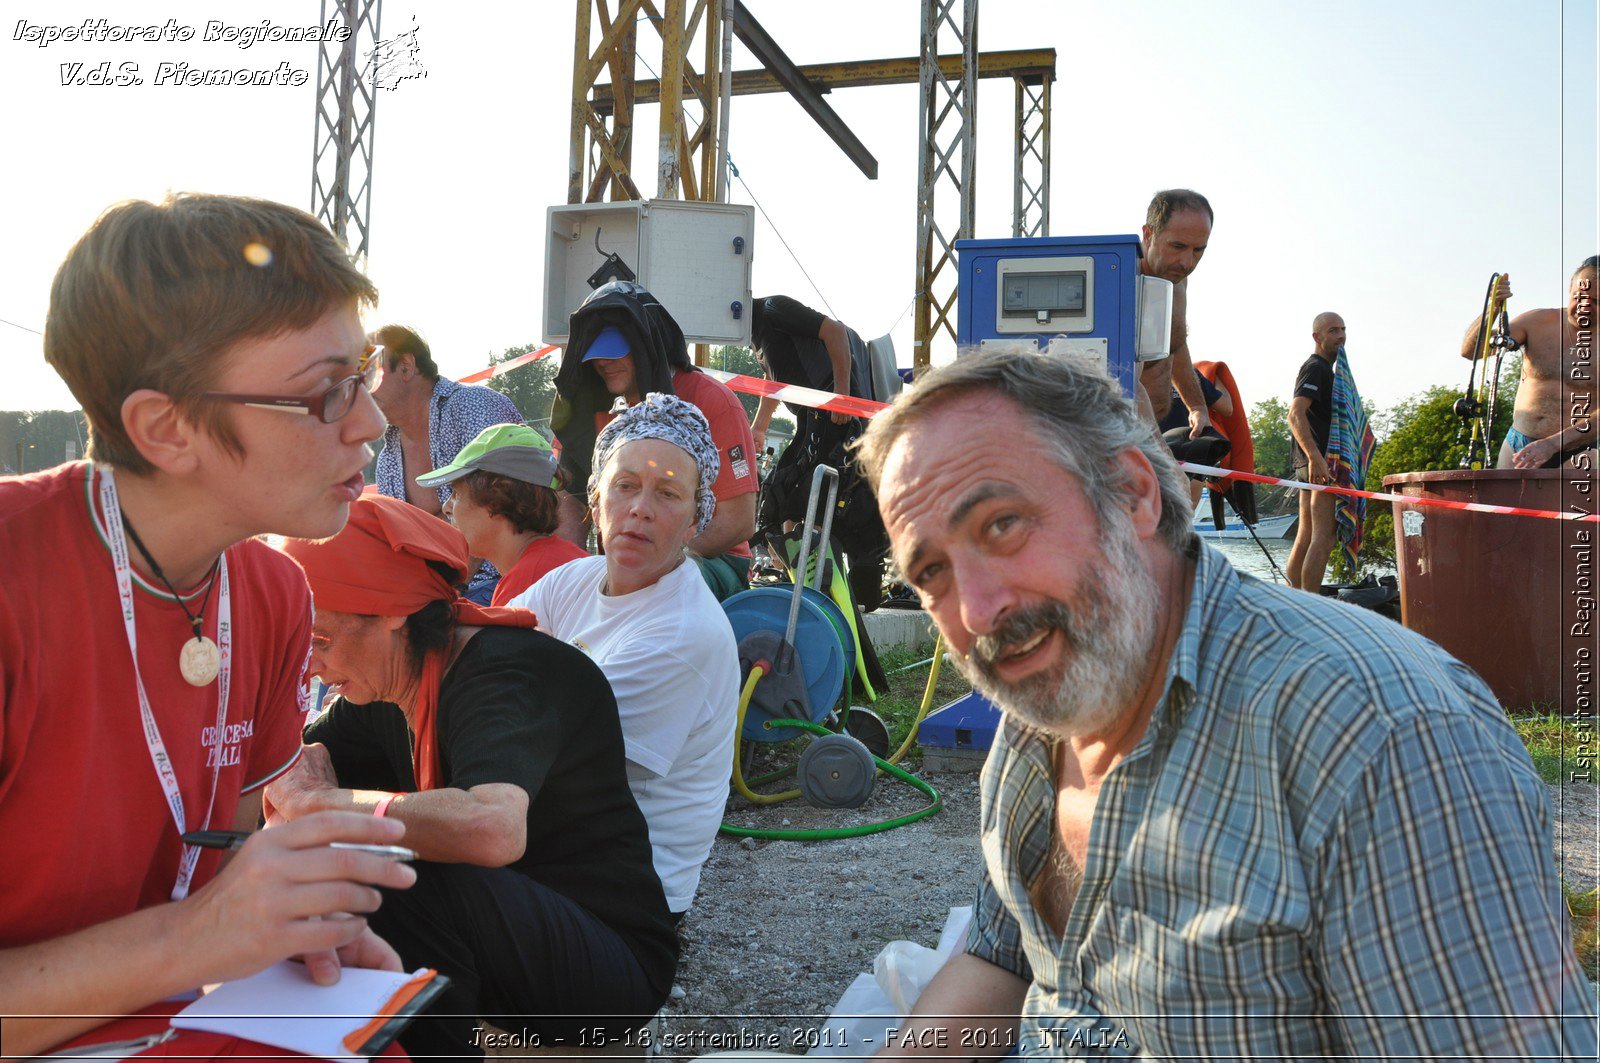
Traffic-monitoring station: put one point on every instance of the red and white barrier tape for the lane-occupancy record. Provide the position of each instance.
(505, 367)
(1384, 496)
(811, 397)
(817, 399)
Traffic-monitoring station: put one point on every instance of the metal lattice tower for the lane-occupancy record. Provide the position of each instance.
(1030, 212)
(341, 152)
(689, 144)
(691, 157)
(948, 127)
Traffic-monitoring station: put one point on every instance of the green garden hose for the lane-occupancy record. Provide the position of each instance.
(890, 766)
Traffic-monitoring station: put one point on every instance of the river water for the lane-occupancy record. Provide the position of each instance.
(1246, 556)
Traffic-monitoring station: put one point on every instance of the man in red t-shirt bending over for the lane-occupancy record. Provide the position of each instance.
(152, 651)
(624, 344)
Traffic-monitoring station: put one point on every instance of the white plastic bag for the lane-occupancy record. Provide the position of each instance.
(880, 1002)
(903, 969)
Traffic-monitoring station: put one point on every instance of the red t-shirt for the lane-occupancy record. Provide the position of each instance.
(730, 431)
(82, 814)
(538, 557)
(190, 1045)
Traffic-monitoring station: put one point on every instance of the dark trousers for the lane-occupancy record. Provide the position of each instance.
(858, 533)
(518, 954)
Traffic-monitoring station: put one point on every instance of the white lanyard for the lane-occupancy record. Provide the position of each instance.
(168, 778)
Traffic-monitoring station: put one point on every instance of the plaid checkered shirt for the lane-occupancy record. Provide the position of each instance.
(1329, 842)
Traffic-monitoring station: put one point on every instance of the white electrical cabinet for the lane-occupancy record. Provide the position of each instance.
(694, 257)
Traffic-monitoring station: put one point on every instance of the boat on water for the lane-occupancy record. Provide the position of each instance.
(1278, 527)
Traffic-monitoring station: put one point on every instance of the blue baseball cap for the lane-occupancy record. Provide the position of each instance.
(610, 343)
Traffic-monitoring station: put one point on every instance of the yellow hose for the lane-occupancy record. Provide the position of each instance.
(756, 672)
(927, 700)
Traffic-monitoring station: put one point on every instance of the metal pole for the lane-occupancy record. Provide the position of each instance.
(668, 178)
(577, 154)
(1019, 146)
(969, 119)
(927, 71)
(944, 99)
(341, 166)
(1044, 137)
(726, 92)
(1030, 210)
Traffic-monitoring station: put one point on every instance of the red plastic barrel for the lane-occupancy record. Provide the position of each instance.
(1511, 596)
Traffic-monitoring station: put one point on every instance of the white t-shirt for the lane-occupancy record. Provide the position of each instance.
(670, 655)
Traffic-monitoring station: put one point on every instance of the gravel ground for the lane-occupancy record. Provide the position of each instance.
(1577, 816)
(780, 928)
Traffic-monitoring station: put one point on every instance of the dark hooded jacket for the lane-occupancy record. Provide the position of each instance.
(657, 346)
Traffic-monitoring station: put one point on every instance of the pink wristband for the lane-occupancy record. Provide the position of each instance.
(382, 807)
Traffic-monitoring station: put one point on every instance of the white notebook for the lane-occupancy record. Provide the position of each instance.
(282, 1006)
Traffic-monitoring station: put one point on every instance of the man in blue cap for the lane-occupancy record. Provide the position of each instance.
(627, 346)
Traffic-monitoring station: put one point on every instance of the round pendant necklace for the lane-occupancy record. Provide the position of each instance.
(199, 660)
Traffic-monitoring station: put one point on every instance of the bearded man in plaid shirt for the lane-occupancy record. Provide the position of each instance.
(1220, 818)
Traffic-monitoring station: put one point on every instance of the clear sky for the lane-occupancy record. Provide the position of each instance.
(1375, 158)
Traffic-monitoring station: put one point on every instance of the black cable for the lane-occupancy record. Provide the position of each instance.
(1251, 529)
(196, 620)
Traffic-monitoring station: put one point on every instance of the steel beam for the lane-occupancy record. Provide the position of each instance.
(669, 172)
(601, 147)
(1030, 65)
(578, 138)
(622, 61)
(788, 75)
(600, 157)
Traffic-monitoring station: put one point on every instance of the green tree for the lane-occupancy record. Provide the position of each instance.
(743, 360)
(532, 387)
(1269, 434)
(1422, 434)
(31, 440)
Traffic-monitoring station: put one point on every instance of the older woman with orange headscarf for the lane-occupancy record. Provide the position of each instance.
(501, 750)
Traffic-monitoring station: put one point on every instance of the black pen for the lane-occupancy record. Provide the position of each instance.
(232, 839)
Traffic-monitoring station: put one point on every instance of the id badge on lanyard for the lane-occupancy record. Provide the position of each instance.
(165, 774)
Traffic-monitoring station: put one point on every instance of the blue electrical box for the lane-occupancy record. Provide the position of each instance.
(967, 723)
(1071, 296)
(1077, 296)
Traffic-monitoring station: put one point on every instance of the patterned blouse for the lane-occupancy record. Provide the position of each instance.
(456, 414)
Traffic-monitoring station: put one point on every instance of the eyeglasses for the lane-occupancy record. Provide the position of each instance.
(327, 407)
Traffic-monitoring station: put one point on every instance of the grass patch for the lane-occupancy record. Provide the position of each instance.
(908, 680)
(1553, 744)
(1585, 911)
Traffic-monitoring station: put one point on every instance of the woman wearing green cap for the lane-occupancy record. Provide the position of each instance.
(504, 502)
